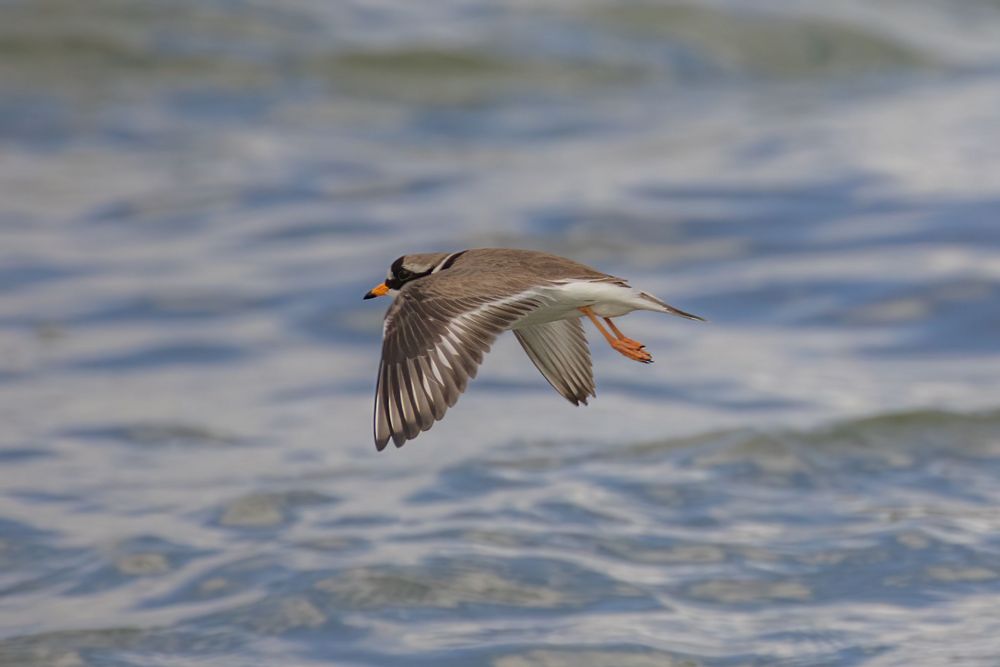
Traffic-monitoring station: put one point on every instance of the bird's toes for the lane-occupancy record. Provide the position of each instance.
(635, 351)
(632, 344)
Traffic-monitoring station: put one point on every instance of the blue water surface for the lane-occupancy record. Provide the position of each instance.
(197, 194)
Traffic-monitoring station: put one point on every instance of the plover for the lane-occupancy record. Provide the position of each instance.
(450, 307)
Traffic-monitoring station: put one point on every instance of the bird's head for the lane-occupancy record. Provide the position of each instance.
(412, 267)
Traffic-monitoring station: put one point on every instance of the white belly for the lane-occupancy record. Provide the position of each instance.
(611, 309)
(605, 299)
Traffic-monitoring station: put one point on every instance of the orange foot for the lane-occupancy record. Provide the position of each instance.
(630, 343)
(632, 349)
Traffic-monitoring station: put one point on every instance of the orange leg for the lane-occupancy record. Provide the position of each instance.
(626, 346)
(622, 337)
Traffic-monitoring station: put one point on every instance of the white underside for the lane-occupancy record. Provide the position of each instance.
(565, 299)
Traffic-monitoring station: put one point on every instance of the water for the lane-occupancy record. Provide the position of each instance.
(197, 194)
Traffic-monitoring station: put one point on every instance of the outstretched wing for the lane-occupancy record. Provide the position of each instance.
(434, 340)
(559, 350)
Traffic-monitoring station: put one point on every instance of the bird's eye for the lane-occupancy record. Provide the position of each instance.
(403, 274)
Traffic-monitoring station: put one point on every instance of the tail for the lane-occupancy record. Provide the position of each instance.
(667, 308)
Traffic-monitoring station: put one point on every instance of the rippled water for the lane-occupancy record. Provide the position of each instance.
(197, 194)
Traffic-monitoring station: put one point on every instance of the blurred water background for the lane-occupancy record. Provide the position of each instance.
(195, 195)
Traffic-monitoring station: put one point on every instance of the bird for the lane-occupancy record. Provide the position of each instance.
(449, 308)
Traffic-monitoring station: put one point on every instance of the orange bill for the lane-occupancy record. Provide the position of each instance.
(378, 290)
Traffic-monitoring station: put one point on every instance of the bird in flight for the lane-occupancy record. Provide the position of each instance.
(450, 307)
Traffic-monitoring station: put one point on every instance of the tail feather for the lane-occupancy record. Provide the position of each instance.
(667, 308)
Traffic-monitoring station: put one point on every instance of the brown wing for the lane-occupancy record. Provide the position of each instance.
(434, 340)
(559, 350)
